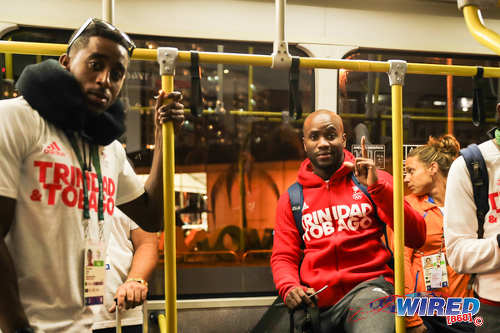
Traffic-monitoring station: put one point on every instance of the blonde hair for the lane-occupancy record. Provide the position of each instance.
(443, 150)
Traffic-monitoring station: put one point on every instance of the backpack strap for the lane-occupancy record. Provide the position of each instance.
(365, 192)
(479, 177)
(296, 203)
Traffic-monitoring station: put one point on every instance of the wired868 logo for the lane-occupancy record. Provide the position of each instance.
(455, 309)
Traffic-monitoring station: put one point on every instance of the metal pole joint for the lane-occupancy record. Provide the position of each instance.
(397, 72)
(167, 59)
(482, 4)
(281, 57)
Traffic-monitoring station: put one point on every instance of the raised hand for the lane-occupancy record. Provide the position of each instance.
(364, 167)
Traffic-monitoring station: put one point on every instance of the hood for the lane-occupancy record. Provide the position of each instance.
(308, 178)
(57, 96)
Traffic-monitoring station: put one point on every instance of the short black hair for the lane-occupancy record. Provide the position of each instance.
(97, 29)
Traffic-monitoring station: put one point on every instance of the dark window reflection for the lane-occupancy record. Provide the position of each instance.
(365, 100)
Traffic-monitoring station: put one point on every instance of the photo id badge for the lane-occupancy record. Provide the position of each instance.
(435, 273)
(94, 273)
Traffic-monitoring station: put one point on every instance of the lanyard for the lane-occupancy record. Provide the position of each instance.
(97, 166)
(94, 152)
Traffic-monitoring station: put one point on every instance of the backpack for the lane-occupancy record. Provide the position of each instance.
(297, 201)
(480, 182)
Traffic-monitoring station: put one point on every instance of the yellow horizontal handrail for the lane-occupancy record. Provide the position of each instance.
(276, 114)
(269, 114)
(262, 60)
(456, 119)
(187, 254)
(250, 113)
(424, 118)
(249, 252)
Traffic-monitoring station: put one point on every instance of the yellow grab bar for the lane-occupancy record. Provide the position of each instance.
(483, 35)
(167, 82)
(262, 60)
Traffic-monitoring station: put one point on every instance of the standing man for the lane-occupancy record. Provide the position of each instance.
(342, 238)
(467, 253)
(131, 257)
(62, 173)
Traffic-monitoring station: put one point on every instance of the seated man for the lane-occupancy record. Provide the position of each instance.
(342, 237)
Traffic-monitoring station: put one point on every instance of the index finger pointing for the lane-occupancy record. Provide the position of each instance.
(364, 153)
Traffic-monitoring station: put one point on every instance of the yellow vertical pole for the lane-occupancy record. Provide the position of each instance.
(397, 167)
(167, 85)
(449, 98)
(250, 82)
(376, 92)
(166, 59)
(396, 78)
(9, 66)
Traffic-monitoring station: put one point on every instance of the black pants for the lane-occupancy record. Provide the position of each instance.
(491, 318)
(362, 310)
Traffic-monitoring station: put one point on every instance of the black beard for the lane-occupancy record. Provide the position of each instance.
(327, 170)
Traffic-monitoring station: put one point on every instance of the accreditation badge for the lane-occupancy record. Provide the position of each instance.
(435, 273)
(94, 273)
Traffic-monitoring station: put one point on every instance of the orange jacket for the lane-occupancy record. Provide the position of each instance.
(457, 283)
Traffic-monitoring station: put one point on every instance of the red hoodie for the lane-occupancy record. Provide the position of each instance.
(342, 237)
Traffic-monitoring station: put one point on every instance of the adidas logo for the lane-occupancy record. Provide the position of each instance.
(53, 148)
(305, 206)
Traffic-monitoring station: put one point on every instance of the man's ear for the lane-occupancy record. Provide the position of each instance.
(304, 144)
(344, 139)
(64, 60)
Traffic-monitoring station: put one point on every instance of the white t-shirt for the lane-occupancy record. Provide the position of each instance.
(119, 256)
(39, 169)
(466, 253)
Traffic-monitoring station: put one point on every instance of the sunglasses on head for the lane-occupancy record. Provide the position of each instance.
(106, 25)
